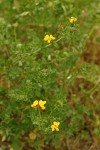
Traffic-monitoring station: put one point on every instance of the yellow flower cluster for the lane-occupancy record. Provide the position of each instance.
(72, 19)
(39, 103)
(55, 126)
(49, 38)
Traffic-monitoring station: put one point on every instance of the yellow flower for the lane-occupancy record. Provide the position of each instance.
(35, 104)
(52, 37)
(41, 104)
(49, 38)
(72, 19)
(55, 126)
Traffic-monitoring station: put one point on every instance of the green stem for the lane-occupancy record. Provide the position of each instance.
(91, 92)
(40, 117)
